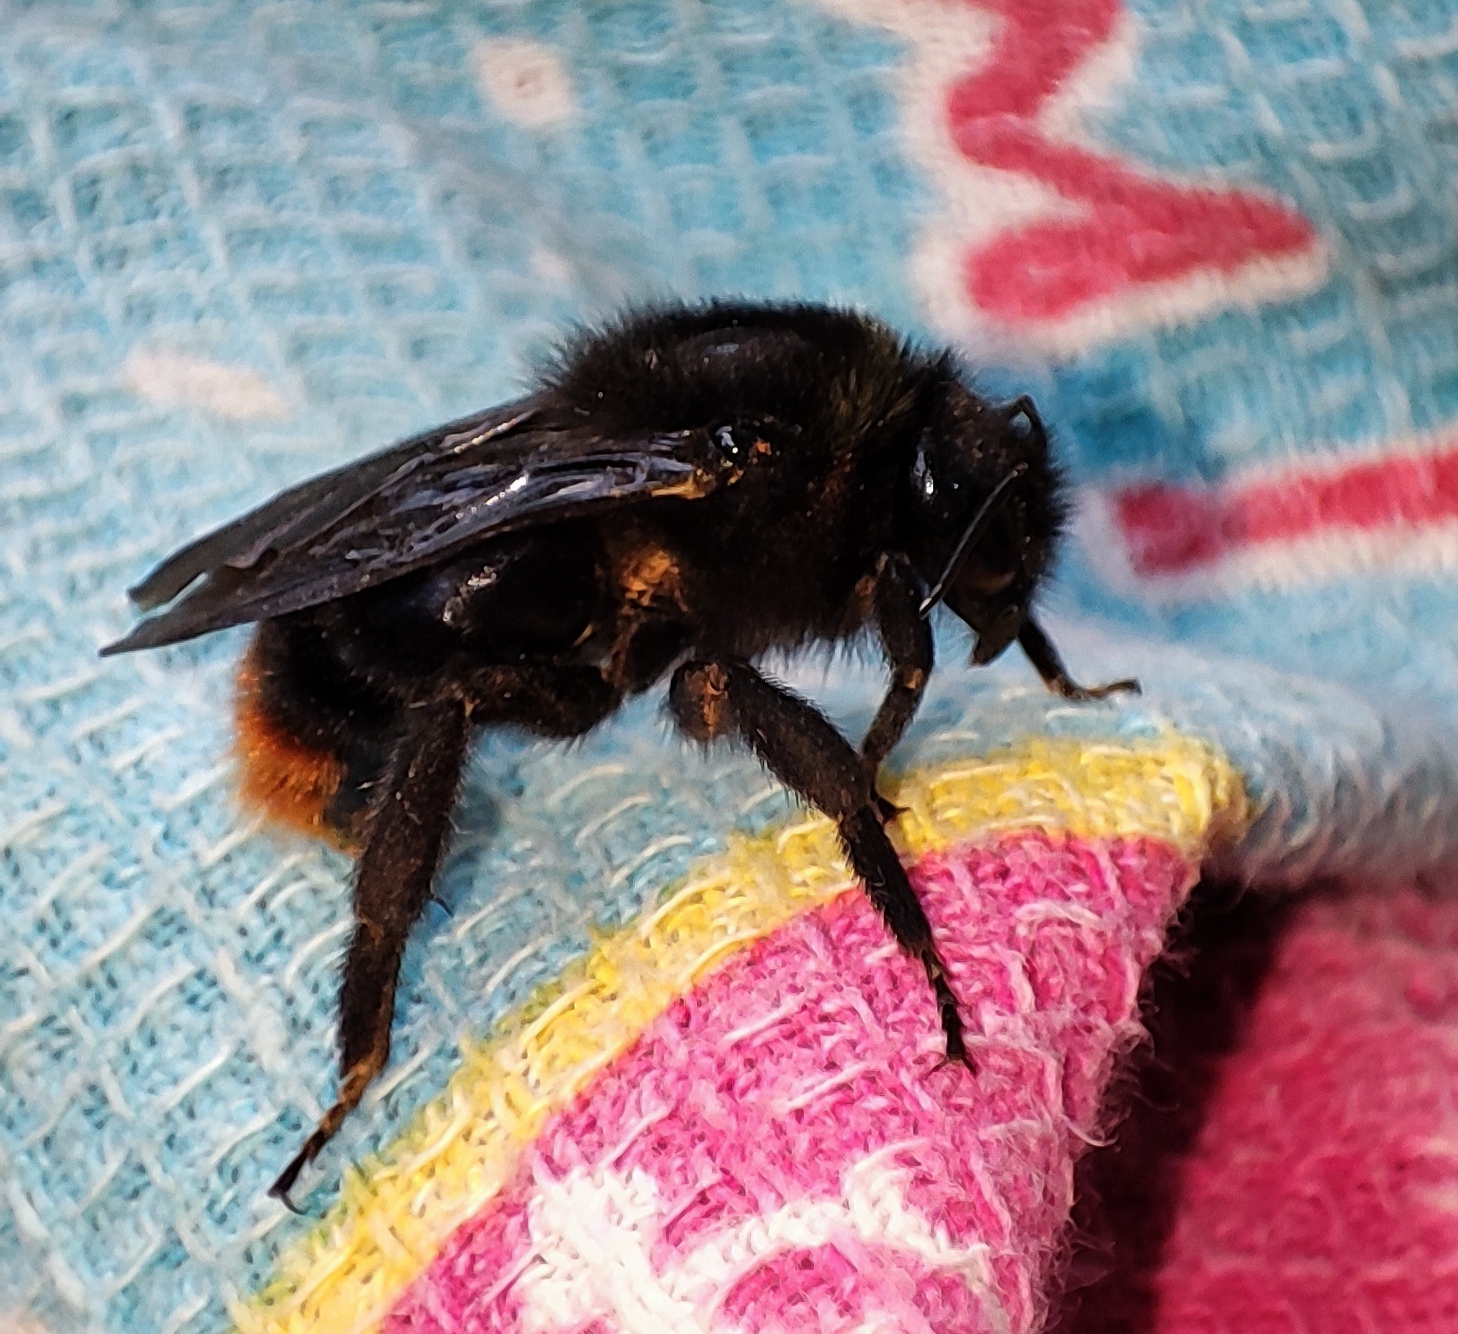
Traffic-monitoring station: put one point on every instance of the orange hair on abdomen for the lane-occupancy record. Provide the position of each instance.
(280, 776)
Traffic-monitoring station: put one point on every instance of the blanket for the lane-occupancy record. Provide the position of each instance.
(656, 1064)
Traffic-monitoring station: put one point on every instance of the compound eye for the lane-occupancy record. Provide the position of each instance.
(740, 445)
(730, 446)
(923, 481)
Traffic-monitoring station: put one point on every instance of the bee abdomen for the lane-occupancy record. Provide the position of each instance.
(281, 775)
(312, 738)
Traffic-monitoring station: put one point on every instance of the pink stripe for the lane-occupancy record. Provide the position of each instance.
(1315, 1058)
(783, 1139)
(1132, 230)
(1171, 529)
(844, 1286)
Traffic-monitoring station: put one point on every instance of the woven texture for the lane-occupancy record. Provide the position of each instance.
(1289, 1163)
(754, 1041)
(241, 242)
(793, 1078)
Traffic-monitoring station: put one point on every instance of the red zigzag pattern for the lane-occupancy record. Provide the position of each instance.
(1131, 230)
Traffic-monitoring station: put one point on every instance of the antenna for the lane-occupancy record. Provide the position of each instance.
(969, 536)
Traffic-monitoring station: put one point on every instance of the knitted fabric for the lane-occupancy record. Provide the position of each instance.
(764, 1111)
(655, 1066)
(1289, 1165)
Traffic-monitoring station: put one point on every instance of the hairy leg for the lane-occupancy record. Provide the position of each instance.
(546, 697)
(727, 697)
(405, 833)
(1044, 657)
(906, 640)
(404, 837)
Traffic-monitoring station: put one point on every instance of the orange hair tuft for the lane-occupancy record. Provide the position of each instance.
(288, 781)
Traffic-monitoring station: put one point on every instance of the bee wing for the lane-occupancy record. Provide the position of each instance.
(409, 507)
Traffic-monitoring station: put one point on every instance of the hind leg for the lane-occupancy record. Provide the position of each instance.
(403, 842)
(405, 829)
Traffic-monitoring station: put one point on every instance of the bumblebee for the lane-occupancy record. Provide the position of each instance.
(683, 491)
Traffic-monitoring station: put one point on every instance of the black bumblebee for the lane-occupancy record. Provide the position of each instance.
(683, 491)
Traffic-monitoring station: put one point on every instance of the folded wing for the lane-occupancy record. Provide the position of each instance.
(409, 507)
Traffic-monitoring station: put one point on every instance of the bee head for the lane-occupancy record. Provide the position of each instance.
(981, 512)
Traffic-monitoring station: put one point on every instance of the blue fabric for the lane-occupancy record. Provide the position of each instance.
(320, 194)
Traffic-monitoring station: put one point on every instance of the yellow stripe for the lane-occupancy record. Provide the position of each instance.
(394, 1214)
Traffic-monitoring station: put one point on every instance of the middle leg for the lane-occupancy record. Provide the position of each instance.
(726, 696)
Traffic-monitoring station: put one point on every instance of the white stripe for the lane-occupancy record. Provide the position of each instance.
(593, 1234)
(1402, 550)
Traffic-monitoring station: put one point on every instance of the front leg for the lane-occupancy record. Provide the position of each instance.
(1044, 657)
(796, 742)
(906, 640)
